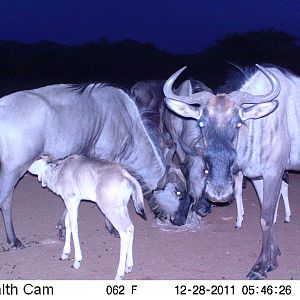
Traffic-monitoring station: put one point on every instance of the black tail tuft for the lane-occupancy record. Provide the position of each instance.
(142, 214)
(158, 211)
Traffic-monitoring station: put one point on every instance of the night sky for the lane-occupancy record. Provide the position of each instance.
(185, 26)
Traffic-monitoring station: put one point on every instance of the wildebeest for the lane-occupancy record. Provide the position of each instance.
(148, 96)
(179, 133)
(78, 177)
(93, 119)
(254, 129)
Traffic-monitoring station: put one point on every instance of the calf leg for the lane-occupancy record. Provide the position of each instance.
(72, 228)
(123, 225)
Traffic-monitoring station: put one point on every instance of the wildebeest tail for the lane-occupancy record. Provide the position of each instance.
(137, 195)
(155, 207)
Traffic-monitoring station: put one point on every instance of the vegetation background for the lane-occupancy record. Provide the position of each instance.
(25, 66)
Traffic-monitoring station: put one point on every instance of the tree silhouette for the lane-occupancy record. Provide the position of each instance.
(26, 66)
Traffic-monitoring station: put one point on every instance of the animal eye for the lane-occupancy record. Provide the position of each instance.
(178, 193)
(201, 124)
(239, 124)
(206, 171)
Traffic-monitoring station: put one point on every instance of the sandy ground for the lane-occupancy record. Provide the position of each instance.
(211, 249)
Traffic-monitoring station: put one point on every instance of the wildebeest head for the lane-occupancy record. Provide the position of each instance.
(220, 118)
(173, 196)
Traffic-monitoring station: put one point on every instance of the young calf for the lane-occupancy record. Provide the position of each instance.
(106, 183)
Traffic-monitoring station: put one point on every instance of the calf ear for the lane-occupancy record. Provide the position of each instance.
(258, 111)
(184, 109)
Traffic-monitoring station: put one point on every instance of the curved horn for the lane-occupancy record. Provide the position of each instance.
(192, 151)
(243, 97)
(196, 98)
(169, 156)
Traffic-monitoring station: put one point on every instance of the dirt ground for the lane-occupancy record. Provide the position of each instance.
(210, 249)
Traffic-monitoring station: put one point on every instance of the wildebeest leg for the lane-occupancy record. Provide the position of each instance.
(259, 187)
(67, 246)
(285, 196)
(61, 226)
(124, 226)
(111, 229)
(8, 180)
(267, 260)
(238, 190)
(283, 190)
(244, 185)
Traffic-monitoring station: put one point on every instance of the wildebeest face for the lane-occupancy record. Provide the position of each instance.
(219, 123)
(220, 118)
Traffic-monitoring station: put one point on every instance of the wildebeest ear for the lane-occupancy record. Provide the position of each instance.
(184, 109)
(258, 110)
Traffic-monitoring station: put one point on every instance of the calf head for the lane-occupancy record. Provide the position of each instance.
(40, 166)
(220, 118)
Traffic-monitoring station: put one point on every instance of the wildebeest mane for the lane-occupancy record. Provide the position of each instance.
(238, 75)
(80, 88)
(150, 119)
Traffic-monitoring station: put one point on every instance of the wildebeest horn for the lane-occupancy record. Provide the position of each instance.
(243, 98)
(169, 156)
(191, 150)
(197, 98)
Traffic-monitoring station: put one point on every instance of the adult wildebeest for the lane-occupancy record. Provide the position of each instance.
(79, 177)
(93, 119)
(148, 96)
(178, 132)
(254, 129)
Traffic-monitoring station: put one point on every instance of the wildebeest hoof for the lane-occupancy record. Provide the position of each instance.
(64, 256)
(61, 231)
(76, 264)
(119, 277)
(256, 275)
(17, 245)
(128, 269)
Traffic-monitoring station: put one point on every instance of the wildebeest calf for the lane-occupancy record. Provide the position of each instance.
(106, 183)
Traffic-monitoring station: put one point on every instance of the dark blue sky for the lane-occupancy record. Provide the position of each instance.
(184, 26)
